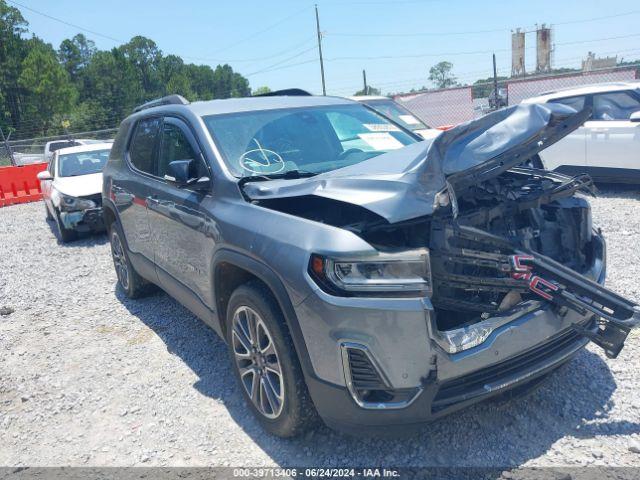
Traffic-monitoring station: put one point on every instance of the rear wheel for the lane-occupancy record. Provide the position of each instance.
(133, 285)
(265, 362)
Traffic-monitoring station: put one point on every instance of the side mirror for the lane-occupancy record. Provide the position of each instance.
(44, 175)
(183, 173)
(635, 117)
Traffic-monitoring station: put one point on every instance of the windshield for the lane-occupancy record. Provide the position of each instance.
(82, 163)
(397, 113)
(307, 139)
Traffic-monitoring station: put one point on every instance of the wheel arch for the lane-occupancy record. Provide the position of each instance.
(232, 269)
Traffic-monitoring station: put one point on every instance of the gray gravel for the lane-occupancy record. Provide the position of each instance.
(90, 378)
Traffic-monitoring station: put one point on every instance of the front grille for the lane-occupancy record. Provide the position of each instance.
(473, 384)
(364, 375)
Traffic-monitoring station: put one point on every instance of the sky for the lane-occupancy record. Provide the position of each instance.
(274, 42)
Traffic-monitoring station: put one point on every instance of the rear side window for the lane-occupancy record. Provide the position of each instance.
(577, 103)
(614, 106)
(143, 145)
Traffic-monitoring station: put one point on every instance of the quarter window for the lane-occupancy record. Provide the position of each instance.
(614, 106)
(142, 150)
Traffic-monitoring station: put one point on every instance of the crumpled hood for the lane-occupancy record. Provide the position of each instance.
(80, 186)
(402, 184)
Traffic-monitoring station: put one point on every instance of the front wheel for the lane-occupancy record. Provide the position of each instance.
(265, 363)
(64, 234)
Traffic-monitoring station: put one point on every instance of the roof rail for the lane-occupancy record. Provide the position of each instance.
(290, 92)
(168, 100)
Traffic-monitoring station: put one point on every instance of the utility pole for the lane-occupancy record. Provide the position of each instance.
(324, 90)
(364, 79)
(495, 82)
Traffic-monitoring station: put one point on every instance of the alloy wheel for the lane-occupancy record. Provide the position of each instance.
(257, 361)
(119, 260)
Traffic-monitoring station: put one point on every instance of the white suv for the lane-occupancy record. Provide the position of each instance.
(607, 146)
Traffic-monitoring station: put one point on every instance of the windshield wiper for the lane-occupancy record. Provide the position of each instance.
(289, 174)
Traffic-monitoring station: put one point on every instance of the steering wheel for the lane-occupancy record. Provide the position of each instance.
(348, 152)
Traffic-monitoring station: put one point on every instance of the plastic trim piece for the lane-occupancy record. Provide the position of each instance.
(344, 349)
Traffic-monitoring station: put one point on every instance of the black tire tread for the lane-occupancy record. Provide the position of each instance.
(299, 414)
(138, 286)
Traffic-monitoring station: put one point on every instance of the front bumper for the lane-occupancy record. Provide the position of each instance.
(84, 220)
(398, 333)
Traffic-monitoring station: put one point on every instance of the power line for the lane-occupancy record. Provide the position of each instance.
(51, 17)
(474, 52)
(270, 27)
(474, 32)
(253, 35)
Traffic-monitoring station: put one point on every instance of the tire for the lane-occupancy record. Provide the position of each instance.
(287, 411)
(65, 235)
(131, 283)
(48, 213)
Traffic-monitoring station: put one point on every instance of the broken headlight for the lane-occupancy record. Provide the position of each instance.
(68, 203)
(399, 274)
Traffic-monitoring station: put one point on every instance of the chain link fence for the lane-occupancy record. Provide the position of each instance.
(31, 150)
(459, 104)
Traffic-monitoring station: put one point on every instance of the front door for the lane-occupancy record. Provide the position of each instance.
(569, 154)
(613, 141)
(184, 234)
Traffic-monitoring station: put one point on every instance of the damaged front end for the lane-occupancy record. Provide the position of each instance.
(518, 240)
(502, 240)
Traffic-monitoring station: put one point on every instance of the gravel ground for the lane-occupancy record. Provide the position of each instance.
(90, 378)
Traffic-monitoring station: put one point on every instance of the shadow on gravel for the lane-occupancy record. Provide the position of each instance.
(572, 404)
(612, 190)
(86, 239)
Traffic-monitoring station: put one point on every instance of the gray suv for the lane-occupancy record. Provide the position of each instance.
(359, 274)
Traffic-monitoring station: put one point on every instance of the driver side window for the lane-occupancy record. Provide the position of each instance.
(176, 146)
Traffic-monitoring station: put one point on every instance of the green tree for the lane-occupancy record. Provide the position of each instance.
(201, 79)
(46, 85)
(75, 55)
(261, 91)
(113, 85)
(369, 91)
(145, 56)
(12, 52)
(440, 74)
(175, 78)
(227, 83)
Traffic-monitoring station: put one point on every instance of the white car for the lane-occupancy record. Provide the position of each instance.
(607, 146)
(397, 113)
(51, 147)
(72, 189)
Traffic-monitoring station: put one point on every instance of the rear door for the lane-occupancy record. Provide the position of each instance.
(130, 192)
(569, 154)
(184, 234)
(613, 142)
